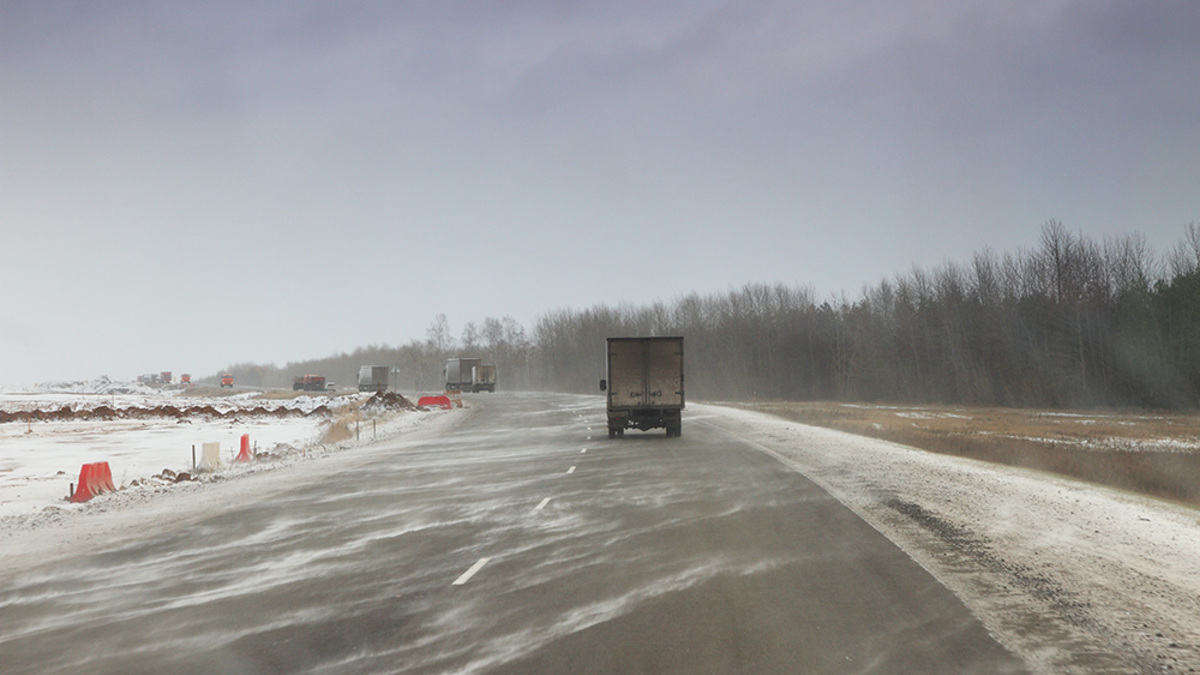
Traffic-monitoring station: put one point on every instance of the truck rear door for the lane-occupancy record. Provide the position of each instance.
(626, 373)
(664, 373)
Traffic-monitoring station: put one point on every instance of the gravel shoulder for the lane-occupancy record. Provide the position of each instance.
(1072, 577)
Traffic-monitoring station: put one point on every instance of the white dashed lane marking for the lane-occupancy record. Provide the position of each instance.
(466, 576)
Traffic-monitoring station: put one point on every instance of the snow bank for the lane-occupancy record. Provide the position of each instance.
(39, 459)
(101, 386)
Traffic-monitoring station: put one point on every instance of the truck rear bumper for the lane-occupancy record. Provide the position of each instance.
(645, 419)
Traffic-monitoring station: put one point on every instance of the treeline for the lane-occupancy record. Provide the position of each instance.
(1070, 323)
(417, 365)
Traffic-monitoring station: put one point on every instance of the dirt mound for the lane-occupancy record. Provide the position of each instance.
(388, 401)
(107, 413)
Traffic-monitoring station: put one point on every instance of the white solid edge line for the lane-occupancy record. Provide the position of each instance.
(466, 576)
(543, 504)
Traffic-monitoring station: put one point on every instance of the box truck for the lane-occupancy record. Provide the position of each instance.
(457, 373)
(373, 378)
(483, 377)
(644, 384)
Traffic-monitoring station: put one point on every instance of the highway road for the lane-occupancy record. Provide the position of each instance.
(520, 540)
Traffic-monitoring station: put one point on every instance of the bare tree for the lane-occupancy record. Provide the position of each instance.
(438, 334)
(470, 338)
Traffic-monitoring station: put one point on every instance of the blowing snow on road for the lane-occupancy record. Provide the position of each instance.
(341, 557)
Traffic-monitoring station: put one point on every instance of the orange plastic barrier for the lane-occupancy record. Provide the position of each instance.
(244, 455)
(94, 479)
(434, 402)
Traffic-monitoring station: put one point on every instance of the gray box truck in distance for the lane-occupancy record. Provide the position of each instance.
(483, 377)
(373, 378)
(471, 375)
(457, 374)
(644, 384)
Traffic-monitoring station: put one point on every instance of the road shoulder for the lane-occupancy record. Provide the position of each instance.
(1070, 576)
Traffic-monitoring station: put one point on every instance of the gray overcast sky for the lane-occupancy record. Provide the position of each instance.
(185, 185)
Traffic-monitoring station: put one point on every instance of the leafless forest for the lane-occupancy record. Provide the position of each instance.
(1071, 323)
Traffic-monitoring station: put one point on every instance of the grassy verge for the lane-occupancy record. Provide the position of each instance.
(1156, 454)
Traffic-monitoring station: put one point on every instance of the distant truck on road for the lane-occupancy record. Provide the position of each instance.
(457, 373)
(644, 384)
(227, 380)
(373, 378)
(308, 383)
(469, 375)
(483, 377)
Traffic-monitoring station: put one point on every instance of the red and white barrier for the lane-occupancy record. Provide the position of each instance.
(434, 402)
(94, 479)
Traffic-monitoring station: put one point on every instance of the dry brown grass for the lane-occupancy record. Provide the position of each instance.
(1153, 453)
(343, 427)
(340, 429)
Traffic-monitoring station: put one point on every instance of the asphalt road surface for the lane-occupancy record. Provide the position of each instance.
(522, 540)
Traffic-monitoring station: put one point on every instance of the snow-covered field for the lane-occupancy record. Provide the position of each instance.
(1071, 576)
(41, 459)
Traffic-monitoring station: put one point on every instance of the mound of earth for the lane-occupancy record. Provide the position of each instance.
(388, 401)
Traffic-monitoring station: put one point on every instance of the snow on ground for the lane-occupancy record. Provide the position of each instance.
(39, 460)
(1070, 576)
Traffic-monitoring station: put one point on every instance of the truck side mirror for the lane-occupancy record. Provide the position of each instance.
(603, 385)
